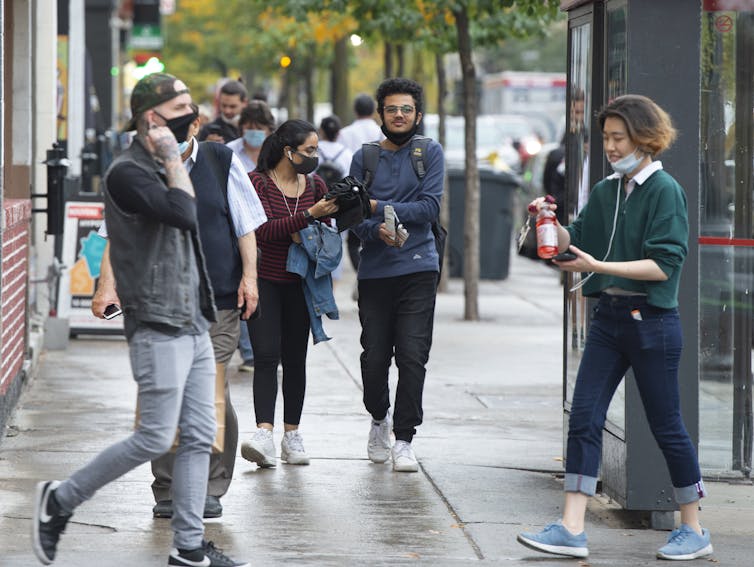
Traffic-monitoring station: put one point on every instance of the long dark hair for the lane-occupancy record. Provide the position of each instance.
(291, 133)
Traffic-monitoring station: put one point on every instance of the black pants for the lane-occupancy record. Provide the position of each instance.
(397, 315)
(280, 334)
(354, 245)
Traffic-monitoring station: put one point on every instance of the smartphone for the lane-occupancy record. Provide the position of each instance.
(390, 224)
(112, 311)
(565, 256)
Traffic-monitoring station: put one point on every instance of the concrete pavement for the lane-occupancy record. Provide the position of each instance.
(490, 452)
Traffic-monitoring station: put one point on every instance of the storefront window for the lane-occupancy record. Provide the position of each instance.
(726, 242)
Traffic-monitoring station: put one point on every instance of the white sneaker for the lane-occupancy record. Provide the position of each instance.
(404, 459)
(261, 449)
(292, 449)
(378, 447)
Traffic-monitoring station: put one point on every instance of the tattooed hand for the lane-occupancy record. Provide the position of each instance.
(163, 143)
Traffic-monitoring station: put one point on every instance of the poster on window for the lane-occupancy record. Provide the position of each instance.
(82, 256)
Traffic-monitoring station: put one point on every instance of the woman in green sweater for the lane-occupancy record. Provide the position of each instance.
(631, 238)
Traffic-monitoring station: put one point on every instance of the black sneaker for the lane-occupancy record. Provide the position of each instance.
(212, 508)
(206, 556)
(218, 558)
(48, 522)
(163, 509)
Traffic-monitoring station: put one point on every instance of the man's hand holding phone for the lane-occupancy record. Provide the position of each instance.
(112, 311)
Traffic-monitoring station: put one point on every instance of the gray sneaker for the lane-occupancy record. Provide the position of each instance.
(378, 446)
(261, 449)
(292, 449)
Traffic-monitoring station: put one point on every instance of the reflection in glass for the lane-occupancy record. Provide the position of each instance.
(617, 60)
(726, 266)
(577, 171)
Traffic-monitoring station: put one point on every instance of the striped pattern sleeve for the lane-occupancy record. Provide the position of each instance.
(274, 236)
(246, 209)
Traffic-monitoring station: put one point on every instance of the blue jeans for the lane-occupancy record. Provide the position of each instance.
(649, 342)
(176, 381)
(397, 317)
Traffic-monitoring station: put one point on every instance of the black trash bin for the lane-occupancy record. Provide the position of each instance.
(497, 191)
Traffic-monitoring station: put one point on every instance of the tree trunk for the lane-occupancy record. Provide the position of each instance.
(471, 200)
(442, 91)
(309, 89)
(339, 80)
(400, 54)
(388, 60)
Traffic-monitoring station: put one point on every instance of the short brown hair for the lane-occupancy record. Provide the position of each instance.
(648, 125)
(257, 112)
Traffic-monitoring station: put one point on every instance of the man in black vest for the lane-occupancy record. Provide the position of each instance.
(167, 302)
(228, 212)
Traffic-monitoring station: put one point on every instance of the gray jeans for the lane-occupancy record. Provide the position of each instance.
(224, 334)
(176, 380)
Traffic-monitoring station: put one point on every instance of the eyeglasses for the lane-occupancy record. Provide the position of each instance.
(405, 109)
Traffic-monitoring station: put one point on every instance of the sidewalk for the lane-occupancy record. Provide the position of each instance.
(490, 452)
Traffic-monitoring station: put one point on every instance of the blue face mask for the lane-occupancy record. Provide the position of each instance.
(254, 138)
(627, 164)
(183, 146)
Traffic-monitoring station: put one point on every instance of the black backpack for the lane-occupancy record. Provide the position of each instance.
(370, 157)
(328, 168)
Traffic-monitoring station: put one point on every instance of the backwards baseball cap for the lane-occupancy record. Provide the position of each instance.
(151, 91)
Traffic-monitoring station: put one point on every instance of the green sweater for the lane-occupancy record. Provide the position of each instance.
(652, 223)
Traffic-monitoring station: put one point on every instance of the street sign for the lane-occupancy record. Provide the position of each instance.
(146, 37)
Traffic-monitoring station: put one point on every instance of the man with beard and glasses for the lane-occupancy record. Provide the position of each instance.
(398, 280)
(167, 301)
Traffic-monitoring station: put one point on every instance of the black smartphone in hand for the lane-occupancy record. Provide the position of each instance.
(565, 256)
(112, 311)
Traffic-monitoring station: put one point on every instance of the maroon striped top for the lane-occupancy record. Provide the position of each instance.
(274, 236)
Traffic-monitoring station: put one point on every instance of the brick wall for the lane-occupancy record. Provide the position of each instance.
(15, 257)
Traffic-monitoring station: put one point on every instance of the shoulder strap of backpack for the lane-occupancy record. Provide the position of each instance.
(370, 157)
(419, 145)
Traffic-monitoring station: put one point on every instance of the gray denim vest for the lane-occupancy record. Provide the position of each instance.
(158, 268)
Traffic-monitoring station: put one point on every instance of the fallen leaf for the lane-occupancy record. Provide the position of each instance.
(413, 555)
(458, 525)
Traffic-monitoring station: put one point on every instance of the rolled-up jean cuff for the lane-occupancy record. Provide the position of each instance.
(689, 494)
(580, 483)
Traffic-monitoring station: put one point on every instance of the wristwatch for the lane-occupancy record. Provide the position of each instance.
(308, 216)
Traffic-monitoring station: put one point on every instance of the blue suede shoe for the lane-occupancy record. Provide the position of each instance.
(556, 539)
(685, 544)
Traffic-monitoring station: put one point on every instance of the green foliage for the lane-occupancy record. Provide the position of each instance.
(207, 38)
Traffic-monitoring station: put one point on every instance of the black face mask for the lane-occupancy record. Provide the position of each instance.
(179, 126)
(400, 138)
(308, 164)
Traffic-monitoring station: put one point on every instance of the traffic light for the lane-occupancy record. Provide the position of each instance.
(285, 61)
(146, 65)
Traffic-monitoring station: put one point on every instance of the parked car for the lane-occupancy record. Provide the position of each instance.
(502, 140)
